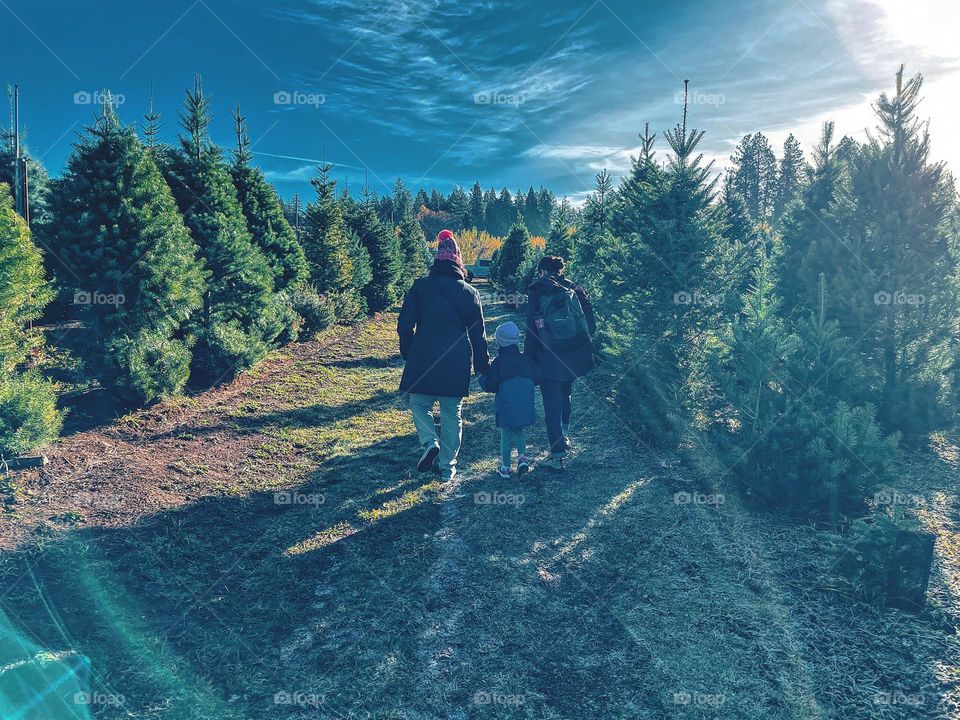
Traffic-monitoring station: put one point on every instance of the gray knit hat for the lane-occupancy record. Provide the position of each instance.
(507, 334)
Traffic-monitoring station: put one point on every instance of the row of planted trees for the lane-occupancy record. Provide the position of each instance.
(175, 262)
(797, 350)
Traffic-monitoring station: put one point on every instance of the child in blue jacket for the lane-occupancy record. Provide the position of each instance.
(512, 376)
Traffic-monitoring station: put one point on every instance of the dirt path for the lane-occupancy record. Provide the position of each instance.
(264, 551)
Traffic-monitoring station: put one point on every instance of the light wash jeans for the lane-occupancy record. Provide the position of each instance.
(512, 438)
(451, 428)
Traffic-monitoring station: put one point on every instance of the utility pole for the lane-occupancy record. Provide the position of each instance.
(296, 215)
(17, 182)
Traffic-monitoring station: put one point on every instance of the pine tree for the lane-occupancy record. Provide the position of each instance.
(28, 402)
(265, 218)
(663, 270)
(458, 205)
(386, 262)
(241, 317)
(361, 276)
(325, 240)
(510, 259)
(477, 209)
(127, 260)
(807, 228)
(893, 273)
(421, 200)
(803, 440)
(413, 248)
(560, 238)
(37, 179)
(790, 176)
(753, 173)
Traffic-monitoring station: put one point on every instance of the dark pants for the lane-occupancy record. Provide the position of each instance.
(556, 411)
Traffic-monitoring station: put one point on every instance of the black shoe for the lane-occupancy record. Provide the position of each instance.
(426, 460)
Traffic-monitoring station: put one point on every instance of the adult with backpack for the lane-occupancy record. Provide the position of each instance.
(560, 325)
(441, 331)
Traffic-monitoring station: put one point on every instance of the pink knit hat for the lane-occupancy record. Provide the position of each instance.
(447, 248)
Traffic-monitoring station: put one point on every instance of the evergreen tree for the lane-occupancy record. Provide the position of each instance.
(127, 260)
(560, 238)
(893, 273)
(804, 440)
(241, 317)
(593, 237)
(37, 179)
(325, 241)
(386, 262)
(509, 260)
(28, 402)
(790, 176)
(402, 201)
(361, 276)
(753, 173)
(663, 268)
(421, 200)
(437, 202)
(265, 219)
(413, 248)
(807, 227)
(458, 205)
(477, 208)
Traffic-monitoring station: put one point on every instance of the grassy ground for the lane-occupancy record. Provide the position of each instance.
(264, 551)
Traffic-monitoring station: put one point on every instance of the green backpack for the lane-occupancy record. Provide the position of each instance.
(561, 321)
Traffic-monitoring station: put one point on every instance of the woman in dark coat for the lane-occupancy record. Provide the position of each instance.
(441, 331)
(560, 365)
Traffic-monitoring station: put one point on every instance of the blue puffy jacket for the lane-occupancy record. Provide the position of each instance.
(512, 376)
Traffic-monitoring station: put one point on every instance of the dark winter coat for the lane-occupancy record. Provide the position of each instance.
(441, 329)
(565, 364)
(512, 376)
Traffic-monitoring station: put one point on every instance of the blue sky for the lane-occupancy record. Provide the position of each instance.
(509, 92)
